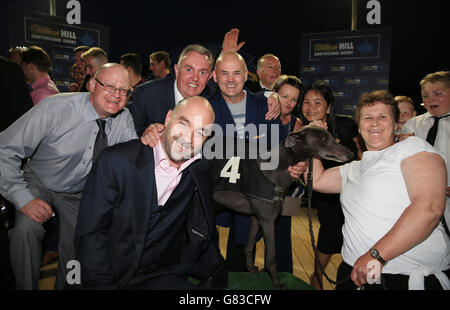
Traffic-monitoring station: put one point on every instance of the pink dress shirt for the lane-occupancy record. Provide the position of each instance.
(42, 88)
(166, 176)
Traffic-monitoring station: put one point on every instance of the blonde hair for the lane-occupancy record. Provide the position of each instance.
(96, 52)
(439, 76)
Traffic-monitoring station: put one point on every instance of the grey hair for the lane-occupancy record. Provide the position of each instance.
(198, 49)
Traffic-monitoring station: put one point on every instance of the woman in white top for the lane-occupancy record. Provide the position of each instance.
(392, 200)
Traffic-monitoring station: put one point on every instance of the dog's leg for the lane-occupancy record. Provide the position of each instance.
(269, 253)
(250, 246)
(266, 215)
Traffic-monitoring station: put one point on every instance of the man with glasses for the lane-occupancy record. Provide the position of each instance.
(62, 135)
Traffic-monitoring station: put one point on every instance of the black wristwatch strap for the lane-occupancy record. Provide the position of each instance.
(376, 254)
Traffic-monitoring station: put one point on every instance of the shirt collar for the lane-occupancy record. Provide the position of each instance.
(178, 96)
(162, 162)
(262, 86)
(428, 115)
(90, 115)
(43, 80)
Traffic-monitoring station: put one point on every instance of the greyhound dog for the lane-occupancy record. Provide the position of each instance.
(259, 192)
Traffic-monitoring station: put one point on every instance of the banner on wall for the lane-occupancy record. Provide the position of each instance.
(350, 62)
(57, 38)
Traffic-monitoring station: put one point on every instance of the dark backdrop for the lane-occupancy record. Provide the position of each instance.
(419, 29)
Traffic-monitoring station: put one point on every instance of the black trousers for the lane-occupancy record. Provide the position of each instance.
(388, 281)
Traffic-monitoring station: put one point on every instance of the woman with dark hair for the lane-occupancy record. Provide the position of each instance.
(290, 90)
(317, 107)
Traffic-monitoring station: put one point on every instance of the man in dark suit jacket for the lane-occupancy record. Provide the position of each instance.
(146, 220)
(151, 101)
(268, 69)
(234, 105)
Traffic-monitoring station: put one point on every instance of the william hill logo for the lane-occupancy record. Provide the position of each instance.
(45, 33)
(338, 49)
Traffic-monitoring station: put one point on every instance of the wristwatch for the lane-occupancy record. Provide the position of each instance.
(375, 254)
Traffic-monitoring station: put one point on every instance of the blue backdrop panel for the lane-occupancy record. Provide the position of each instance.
(57, 38)
(350, 62)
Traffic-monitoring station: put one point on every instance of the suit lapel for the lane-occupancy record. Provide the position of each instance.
(145, 189)
(200, 174)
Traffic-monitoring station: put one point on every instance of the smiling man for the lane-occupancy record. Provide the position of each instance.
(147, 218)
(60, 136)
(434, 126)
(152, 100)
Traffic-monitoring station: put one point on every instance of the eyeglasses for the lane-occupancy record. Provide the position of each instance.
(111, 89)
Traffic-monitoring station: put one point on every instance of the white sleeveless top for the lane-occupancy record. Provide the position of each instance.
(373, 197)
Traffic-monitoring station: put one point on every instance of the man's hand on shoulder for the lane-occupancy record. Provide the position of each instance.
(152, 134)
(274, 106)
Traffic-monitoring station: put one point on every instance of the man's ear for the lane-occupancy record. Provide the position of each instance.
(175, 68)
(214, 75)
(92, 82)
(168, 117)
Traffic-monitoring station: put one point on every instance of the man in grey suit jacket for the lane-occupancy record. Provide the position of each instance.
(59, 136)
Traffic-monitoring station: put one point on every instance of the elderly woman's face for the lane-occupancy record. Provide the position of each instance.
(376, 126)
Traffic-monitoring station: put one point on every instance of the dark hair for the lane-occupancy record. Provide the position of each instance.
(161, 56)
(327, 94)
(132, 60)
(293, 81)
(383, 96)
(38, 57)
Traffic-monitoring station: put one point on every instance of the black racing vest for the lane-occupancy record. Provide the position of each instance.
(243, 175)
(167, 226)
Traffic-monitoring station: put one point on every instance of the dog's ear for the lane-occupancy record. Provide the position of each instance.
(293, 138)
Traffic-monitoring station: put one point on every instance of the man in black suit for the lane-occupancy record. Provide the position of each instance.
(268, 69)
(146, 220)
(151, 101)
